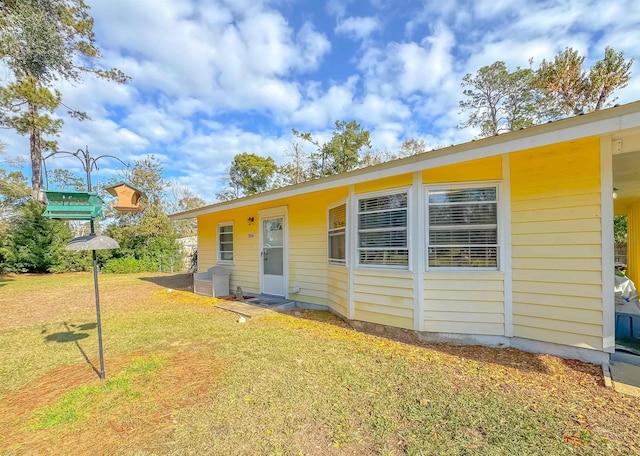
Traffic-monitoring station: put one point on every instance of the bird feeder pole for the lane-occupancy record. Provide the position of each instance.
(89, 163)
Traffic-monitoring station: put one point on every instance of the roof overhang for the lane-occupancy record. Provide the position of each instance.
(604, 122)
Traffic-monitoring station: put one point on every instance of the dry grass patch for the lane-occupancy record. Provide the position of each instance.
(131, 410)
(184, 378)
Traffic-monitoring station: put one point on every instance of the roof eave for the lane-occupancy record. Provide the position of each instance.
(592, 124)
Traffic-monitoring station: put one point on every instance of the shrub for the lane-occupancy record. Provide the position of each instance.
(129, 265)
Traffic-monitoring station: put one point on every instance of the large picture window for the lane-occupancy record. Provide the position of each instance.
(463, 227)
(337, 234)
(382, 231)
(225, 243)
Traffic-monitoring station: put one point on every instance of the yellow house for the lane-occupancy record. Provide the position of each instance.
(504, 241)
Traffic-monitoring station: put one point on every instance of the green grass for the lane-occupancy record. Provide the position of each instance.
(183, 377)
(79, 403)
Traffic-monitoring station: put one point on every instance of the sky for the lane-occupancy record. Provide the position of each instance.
(214, 78)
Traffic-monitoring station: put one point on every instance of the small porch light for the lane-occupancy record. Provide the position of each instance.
(615, 193)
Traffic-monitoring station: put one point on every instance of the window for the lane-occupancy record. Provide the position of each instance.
(382, 231)
(463, 227)
(225, 243)
(337, 234)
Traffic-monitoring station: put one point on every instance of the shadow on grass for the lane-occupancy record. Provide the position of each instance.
(4, 280)
(70, 335)
(508, 357)
(175, 281)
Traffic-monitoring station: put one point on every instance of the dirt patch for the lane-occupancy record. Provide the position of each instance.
(140, 423)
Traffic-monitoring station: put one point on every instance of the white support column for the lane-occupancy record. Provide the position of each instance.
(608, 257)
(417, 246)
(351, 242)
(504, 208)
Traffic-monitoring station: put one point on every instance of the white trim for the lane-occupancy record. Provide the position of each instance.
(377, 194)
(504, 233)
(592, 124)
(608, 260)
(233, 233)
(461, 185)
(352, 222)
(274, 212)
(346, 254)
(418, 224)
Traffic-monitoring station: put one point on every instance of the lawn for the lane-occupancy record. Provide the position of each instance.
(184, 377)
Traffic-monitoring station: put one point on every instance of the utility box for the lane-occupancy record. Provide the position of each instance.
(73, 205)
(214, 282)
(628, 326)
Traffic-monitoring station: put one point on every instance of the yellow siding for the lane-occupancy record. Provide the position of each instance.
(633, 245)
(482, 169)
(307, 236)
(384, 296)
(403, 180)
(308, 247)
(339, 289)
(464, 302)
(245, 267)
(556, 239)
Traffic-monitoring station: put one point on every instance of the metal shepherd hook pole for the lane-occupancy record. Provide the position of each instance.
(87, 167)
(92, 242)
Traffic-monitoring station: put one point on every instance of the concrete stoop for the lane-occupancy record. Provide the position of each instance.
(261, 305)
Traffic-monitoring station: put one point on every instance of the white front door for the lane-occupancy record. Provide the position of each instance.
(273, 255)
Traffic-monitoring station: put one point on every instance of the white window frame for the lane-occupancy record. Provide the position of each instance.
(218, 251)
(394, 191)
(499, 241)
(330, 231)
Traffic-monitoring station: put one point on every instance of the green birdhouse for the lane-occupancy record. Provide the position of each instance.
(73, 205)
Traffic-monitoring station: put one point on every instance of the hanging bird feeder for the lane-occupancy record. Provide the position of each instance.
(128, 197)
(73, 205)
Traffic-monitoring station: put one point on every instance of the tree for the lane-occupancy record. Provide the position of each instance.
(296, 171)
(13, 194)
(63, 179)
(572, 90)
(499, 100)
(341, 153)
(248, 174)
(620, 229)
(147, 237)
(412, 146)
(37, 244)
(183, 199)
(42, 42)
(146, 175)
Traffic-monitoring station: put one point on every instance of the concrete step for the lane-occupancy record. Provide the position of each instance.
(626, 378)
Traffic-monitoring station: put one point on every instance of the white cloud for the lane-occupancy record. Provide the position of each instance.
(324, 108)
(410, 67)
(155, 123)
(215, 78)
(312, 46)
(337, 8)
(205, 156)
(215, 52)
(358, 27)
(377, 110)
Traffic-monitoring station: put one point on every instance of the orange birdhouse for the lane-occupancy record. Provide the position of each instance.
(128, 197)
